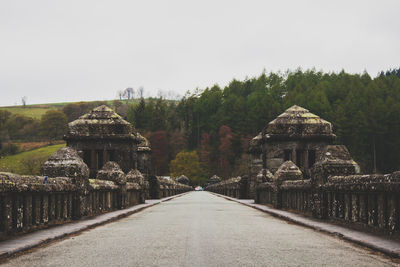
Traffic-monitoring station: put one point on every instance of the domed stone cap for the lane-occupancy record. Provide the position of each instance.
(101, 121)
(183, 180)
(143, 143)
(135, 176)
(112, 172)
(288, 171)
(65, 163)
(339, 160)
(298, 123)
(255, 144)
(264, 176)
(214, 179)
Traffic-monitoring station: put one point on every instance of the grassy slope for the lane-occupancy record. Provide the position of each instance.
(37, 110)
(15, 164)
(31, 111)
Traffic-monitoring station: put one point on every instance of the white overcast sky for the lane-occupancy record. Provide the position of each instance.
(60, 51)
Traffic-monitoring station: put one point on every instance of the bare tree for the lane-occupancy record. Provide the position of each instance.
(140, 91)
(161, 94)
(23, 99)
(172, 95)
(120, 94)
(128, 93)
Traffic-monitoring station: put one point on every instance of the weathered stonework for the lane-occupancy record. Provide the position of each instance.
(136, 177)
(143, 155)
(183, 180)
(69, 190)
(296, 135)
(255, 164)
(235, 187)
(112, 172)
(294, 166)
(288, 171)
(214, 180)
(101, 136)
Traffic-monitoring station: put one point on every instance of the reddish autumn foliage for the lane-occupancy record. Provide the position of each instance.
(204, 152)
(159, 147)
(225, 151)
(176, 143)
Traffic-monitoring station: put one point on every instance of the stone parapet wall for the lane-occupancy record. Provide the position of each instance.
(234, 187)
(161, 187)
(27, 204)
(290, 195)
(368, 200)
(362, 201)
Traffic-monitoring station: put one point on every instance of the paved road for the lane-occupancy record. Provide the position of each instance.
(200, 229)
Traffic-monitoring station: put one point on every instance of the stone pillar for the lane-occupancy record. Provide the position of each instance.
(52, 214)
(371, 210)
(67, 163)
(8, 213)
(306, 161)
(392, 210)
(354, 208)
(255, 166)
(93, 163)
(36, 210)
(347, 206)
(28, 211)
(363, 215)
(381, 211)
(45, 203)
(294, 156)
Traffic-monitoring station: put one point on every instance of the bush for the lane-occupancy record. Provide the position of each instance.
(8, 149)
(32, 165)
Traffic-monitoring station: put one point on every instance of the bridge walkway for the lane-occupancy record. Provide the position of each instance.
(200, 229)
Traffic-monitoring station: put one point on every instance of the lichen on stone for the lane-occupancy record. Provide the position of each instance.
(112, 172)
(65, 163)
(288, 171)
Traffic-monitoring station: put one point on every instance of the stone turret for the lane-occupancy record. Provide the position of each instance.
(297, 123)
(255, 164)
(65, 163)
(296, 135)
(101, 136)
(143, 155)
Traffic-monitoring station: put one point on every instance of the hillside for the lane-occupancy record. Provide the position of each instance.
(28, 162)
(37, 110)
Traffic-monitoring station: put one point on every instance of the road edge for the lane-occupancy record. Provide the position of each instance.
(17, 245)
(342, 235)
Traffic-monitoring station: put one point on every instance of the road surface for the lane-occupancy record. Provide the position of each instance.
(200, 229)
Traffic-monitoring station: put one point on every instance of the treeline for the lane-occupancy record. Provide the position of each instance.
(218, 122)
(50, 127)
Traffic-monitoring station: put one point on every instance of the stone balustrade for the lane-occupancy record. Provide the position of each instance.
(361, 201)
(161, 187)
(66, 193)
(368, 200)
(26, 203)
(233, 187)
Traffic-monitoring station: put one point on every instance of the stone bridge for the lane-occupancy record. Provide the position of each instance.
(295, 172)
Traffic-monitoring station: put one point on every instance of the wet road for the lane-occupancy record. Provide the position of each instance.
(200, 229)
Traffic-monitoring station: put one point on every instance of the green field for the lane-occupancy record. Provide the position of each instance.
(28, 162)
(31, 111)
(37, 110)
